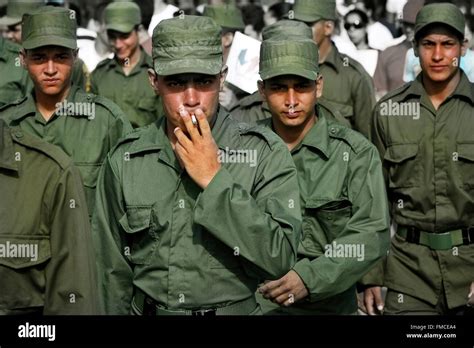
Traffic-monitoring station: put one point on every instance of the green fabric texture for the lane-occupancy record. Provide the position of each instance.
(132, 92)
(122, 16)
(17, 8)
(282, 56)
(38, 184)
(444, 13)
(289, 28)
(86, 128)
(49, 26)
(428, 162)
(188, 45)
(14, 82)
(227, 16)
(314, 10)
(182, 238)
(344, 204)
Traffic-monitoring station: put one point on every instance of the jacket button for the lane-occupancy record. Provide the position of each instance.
(19, 134)
(333, 130)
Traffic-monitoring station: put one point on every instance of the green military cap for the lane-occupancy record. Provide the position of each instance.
(444, 13)
(122, 16)
(227, 16)
(289, 56)
(49, 26)
(191, 44)
(17, 8)
(286, 27)
(314, 10)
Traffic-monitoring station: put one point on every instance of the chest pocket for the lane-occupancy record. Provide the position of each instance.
(465, 164)
(141, 236)
(404, 166)
(323, 221)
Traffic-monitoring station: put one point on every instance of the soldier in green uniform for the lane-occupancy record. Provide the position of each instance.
(345, 214)
(46, 256)
(194, 210)
(14, 80)
(253, 108)
(348, 87)
(84, 125)
(124, 78)
(13, 21)
(424, 132)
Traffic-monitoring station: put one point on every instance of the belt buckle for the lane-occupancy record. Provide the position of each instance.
(204, 312)
(468, 236)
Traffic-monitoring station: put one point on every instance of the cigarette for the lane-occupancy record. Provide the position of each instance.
(193, 118)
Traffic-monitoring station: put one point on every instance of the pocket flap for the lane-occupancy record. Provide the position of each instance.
(136, 219)
(400, 152)
(19, 252)
(466, 151)
(89, 173)
(328, 204)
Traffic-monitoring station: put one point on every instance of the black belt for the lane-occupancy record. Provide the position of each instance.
(148, 306)
(437, 241)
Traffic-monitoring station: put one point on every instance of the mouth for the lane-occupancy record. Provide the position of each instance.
(51, 81)
(291, 114)
(438, 67)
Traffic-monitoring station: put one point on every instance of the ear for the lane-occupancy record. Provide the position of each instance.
(328, 28)
(223, 75)
(23, 58)
(227, 39)
(261, 90)
(153, 79)
(319, 86)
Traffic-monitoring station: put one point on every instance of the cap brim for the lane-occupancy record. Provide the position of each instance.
(188, 66)
(49, 41)
(422, 27)
(120, 27)
(306, 18)
(289, 70)
(8, 21)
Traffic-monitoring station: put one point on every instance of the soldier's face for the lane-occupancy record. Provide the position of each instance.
(13, 33)
(50, 68)
(188, 91)
(291, 99)
(440, 52)
(124, 45)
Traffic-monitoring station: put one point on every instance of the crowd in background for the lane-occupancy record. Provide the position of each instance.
(364, 30)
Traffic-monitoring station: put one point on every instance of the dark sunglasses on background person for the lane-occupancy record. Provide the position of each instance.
(356, 25)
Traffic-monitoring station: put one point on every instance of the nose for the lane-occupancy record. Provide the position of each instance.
(191, 97)
(291, 97)
(50, 68)
(437, 53)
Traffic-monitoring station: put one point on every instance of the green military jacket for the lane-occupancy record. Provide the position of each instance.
(345, 215)
(85, 126)
(253, 109)
(132, 92)
(46, 258)
(14, 80)
(349, 89)
(189, 248)
(428, 161)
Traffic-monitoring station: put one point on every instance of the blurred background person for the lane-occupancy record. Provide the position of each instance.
(391, 62)
(355, 23)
